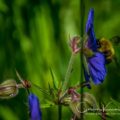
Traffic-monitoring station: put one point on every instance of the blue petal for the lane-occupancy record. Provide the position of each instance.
(35, 113)
(96, 65)
(92, 44)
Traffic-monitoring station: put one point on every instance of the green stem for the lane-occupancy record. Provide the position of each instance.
(59, 112)
(68, 73)
(82, 11)
(20, 85)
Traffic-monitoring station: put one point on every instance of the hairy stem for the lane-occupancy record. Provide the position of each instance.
(68, 73)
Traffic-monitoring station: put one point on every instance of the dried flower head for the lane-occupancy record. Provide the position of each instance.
(74, 44)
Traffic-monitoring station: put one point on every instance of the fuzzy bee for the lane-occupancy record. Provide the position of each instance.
(106, 47)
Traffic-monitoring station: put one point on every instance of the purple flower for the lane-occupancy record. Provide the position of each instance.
(35, 112)
(96, 63)
(92, 44)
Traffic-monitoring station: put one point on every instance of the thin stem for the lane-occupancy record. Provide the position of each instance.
(82, 11)
(20, 85)
(68, 73)
(65, 84)
(59, 112)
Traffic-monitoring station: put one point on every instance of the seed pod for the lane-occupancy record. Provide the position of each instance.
(8, 89)
(88, 102)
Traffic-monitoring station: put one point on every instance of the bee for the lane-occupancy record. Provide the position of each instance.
(105, 46)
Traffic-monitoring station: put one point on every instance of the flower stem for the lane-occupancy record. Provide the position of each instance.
(82, 11)
(68, 73)
(59, 112)
(20, 85)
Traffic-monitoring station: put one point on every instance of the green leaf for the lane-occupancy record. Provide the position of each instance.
(47, 104)
(55, 81)
(114, 104)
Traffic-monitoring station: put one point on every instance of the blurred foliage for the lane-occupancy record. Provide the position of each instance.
(34, 36)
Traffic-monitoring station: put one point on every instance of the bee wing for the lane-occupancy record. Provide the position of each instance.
(116, 44)
(115, 40)
(117, 62)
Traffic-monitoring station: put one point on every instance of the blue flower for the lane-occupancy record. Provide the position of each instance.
(96, 63)
(92, 44)
(35, 112)
(97, 70)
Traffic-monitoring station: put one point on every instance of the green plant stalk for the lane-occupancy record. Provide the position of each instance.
(82, 11)
(68, 72)
(59, 112)
(65, 84)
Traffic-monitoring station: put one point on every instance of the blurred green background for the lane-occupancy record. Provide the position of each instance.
(34, 36)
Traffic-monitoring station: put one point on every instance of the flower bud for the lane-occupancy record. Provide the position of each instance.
(8, 89)
(35, 112)
(74, 44)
